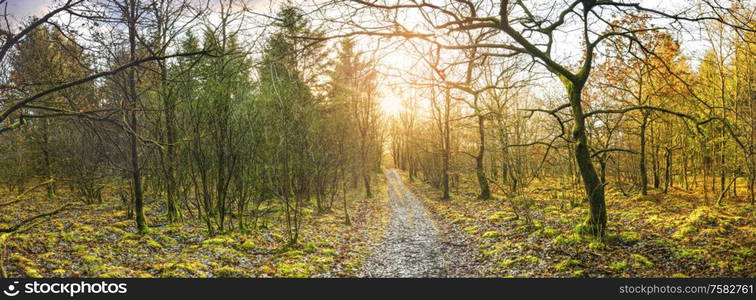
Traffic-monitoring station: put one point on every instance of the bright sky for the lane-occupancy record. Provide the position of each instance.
(21, 9)
(567, 47)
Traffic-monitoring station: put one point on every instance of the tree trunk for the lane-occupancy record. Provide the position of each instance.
(685, 171)
(485, 192)
(642, 158)
(47, 159)
(366, 179)
(446, 145)
(133, 122)
(751, 192)
(594, 188)
(667, 169)
(656, 166)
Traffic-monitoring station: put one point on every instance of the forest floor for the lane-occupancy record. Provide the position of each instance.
(412, 245)
(661, 235)
(99, 241)
(405, 230)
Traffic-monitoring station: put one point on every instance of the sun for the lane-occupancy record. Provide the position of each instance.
(391, 105)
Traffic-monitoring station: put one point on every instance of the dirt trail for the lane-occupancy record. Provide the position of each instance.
(412, 245)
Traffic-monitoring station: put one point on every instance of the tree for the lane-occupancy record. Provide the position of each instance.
(289, 107)
(353, 84)
(530, 30)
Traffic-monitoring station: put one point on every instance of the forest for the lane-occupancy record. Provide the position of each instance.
(377, 138)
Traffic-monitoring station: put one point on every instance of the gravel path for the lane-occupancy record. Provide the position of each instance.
(412, 245)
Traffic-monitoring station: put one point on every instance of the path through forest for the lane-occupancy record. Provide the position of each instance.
(412, 246)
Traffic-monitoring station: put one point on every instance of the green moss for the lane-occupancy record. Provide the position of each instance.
(228, 272)
(86, 228)
(80, 248)
(310, 248)
(32, 272)
(294, 254)
(488, 254)
(663, 243)
(578, 273)
(248, 245)
(497, 216)
(630, 237)
(472, 230)
(124, 224)
(566, 264)
(153, 244)
(686, 253)
(567, 240)
(70, 237)
(277, 236)
(328, 251)
(165, 240)
(705, 221)
(679, 275)
(597, 246)
(744, 252)
(108, 271)
(702, 216)
(218, 241)
(295, 270)
(59, 272)
(531, 259)
(183, 269)
(618, 266)
(324, 259)
(90, 259)
(491, 234)
(508, 262)
(640, 260)
(461, 220)
(227, 255)
(684, 231)
(548, 231)
(582, 228)
(132, 236)
(115, 230)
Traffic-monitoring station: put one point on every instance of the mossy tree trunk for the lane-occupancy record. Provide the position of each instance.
(594, 188)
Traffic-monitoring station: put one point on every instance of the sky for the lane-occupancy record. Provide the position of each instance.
(27, 7)
(566, 47)
(21, 9)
